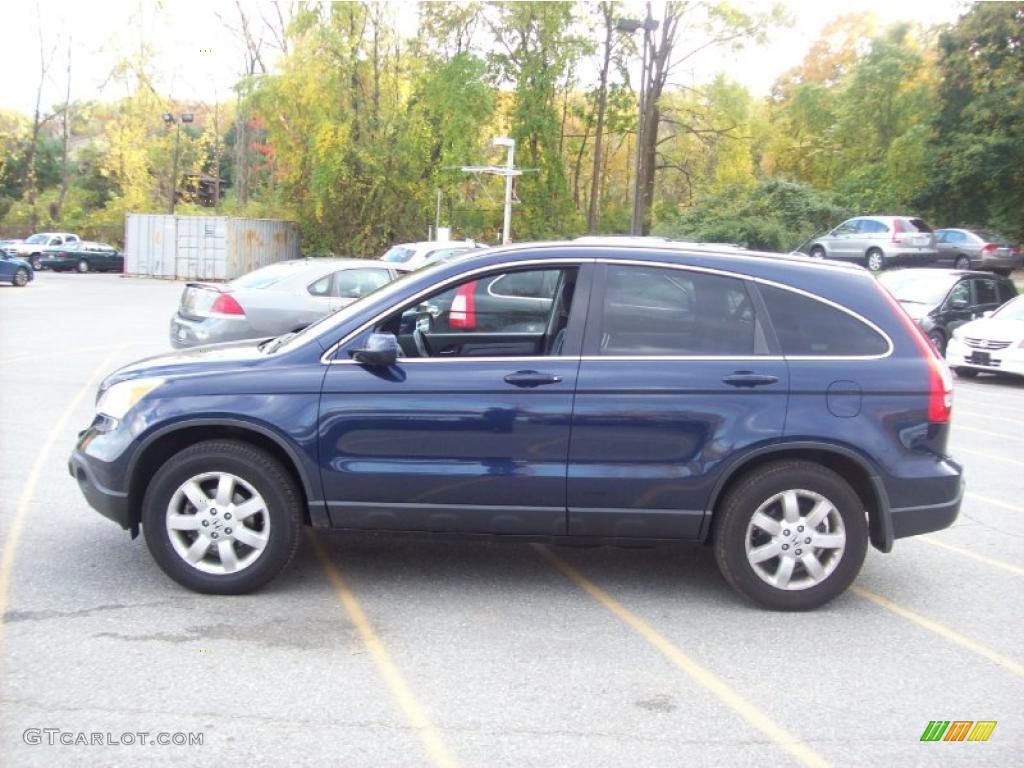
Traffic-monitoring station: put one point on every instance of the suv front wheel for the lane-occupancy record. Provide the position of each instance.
(222, 517)
(791, 535)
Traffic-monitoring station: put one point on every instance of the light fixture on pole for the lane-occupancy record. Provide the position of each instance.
(169, 119)
(648, 25)
(508, 171)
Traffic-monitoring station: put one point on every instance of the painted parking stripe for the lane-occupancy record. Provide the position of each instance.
(941, 630)
(960, 412)
(987, 433)
(803, 754)
(403, 695)
(32, 480)
(994, 502)
(992, 456)
(995, 563)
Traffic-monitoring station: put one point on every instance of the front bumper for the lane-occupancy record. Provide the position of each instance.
(1009, 360)
(108, 502)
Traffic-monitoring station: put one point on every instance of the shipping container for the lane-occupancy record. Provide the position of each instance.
(204, 247)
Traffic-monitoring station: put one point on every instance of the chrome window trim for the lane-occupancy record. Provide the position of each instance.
(325, 358)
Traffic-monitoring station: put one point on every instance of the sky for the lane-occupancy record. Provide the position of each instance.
(198, 56)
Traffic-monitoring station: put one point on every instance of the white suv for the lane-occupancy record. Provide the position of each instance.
(32, 248)
(879, 242)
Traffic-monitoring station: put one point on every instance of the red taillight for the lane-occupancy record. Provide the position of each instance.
(896, 229)
(989, 248)
(226, 305)
(463, 310)
(940, 382)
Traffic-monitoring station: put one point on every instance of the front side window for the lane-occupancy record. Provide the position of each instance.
(807, 327)
(508, 314)
(959, 297)
(847, 227)
(658, 311)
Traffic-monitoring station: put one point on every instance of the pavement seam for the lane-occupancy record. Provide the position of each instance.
(708, 680)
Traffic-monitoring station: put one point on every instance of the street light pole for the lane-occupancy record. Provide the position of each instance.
(506, 233)
(648, 25)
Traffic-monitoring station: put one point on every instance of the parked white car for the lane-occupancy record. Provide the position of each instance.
(31, 249)
(410, 256)
(994, 343)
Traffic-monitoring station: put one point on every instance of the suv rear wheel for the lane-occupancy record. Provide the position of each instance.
(791, 535)
(222, 517)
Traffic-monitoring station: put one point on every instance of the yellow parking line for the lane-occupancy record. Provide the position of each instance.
(803, 754)
(974, 555)
(994, 502)
(987, 432)
(941, 630)
(1004, 420)
(32, 479)
(993, 456)
(436, 749)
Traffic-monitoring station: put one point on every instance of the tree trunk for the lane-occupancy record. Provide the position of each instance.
(65, 178)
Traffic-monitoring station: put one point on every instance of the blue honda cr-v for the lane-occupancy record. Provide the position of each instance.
(784, 411)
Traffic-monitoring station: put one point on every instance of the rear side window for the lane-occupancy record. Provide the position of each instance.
(356, 283)
(869, 227)
(807, 327)
(656, 311)
(985, 292)
(1006, 292)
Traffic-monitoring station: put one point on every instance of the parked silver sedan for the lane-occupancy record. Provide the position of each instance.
(977, 249)
(282, 297)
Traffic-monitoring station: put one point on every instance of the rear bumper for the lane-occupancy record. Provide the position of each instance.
(185, 332)
(911, 521)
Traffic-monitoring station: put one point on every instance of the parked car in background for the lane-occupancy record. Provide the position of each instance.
(31, 248)
(82, 256)
(658, 394)
(414, 255)
(878, 242)
(941, 300)
(16, 271)
(279, 298)
(994, 343)
(977, 249)
(449, 254)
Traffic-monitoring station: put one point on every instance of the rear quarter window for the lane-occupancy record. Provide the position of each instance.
(807, 327)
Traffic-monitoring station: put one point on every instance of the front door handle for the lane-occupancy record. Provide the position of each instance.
(749, 379)
(531, 379)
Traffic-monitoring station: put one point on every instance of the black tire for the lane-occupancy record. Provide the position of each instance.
(965, 373)
(36, 262)
(20, 277)
(817, 252)
(82, 266)
(732, 526)
(875, 260)
(255, 468)
(962, 262)
(939, 340)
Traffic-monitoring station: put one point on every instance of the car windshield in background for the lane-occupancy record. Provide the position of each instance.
(36, 239)
(397, 255)
(1011, 310)
(268, 276)
(991, 237)
(916, 286)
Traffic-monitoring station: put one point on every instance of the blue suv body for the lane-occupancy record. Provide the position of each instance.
(783, 410)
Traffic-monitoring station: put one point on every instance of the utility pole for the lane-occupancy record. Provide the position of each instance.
(168, 118)
(509, 171)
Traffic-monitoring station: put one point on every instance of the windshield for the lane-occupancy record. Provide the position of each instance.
(917, 286)
(38, 239)
(269, 275)
(398, 254)
(1011, 310)
(343, 314)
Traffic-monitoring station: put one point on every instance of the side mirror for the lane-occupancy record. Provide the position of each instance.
(381, 350)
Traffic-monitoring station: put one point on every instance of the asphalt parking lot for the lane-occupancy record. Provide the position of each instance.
(373, 651)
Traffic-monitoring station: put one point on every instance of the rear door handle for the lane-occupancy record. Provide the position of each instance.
(531, 379)
(749, 379)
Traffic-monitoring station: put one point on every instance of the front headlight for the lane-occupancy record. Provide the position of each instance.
(124, 395)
